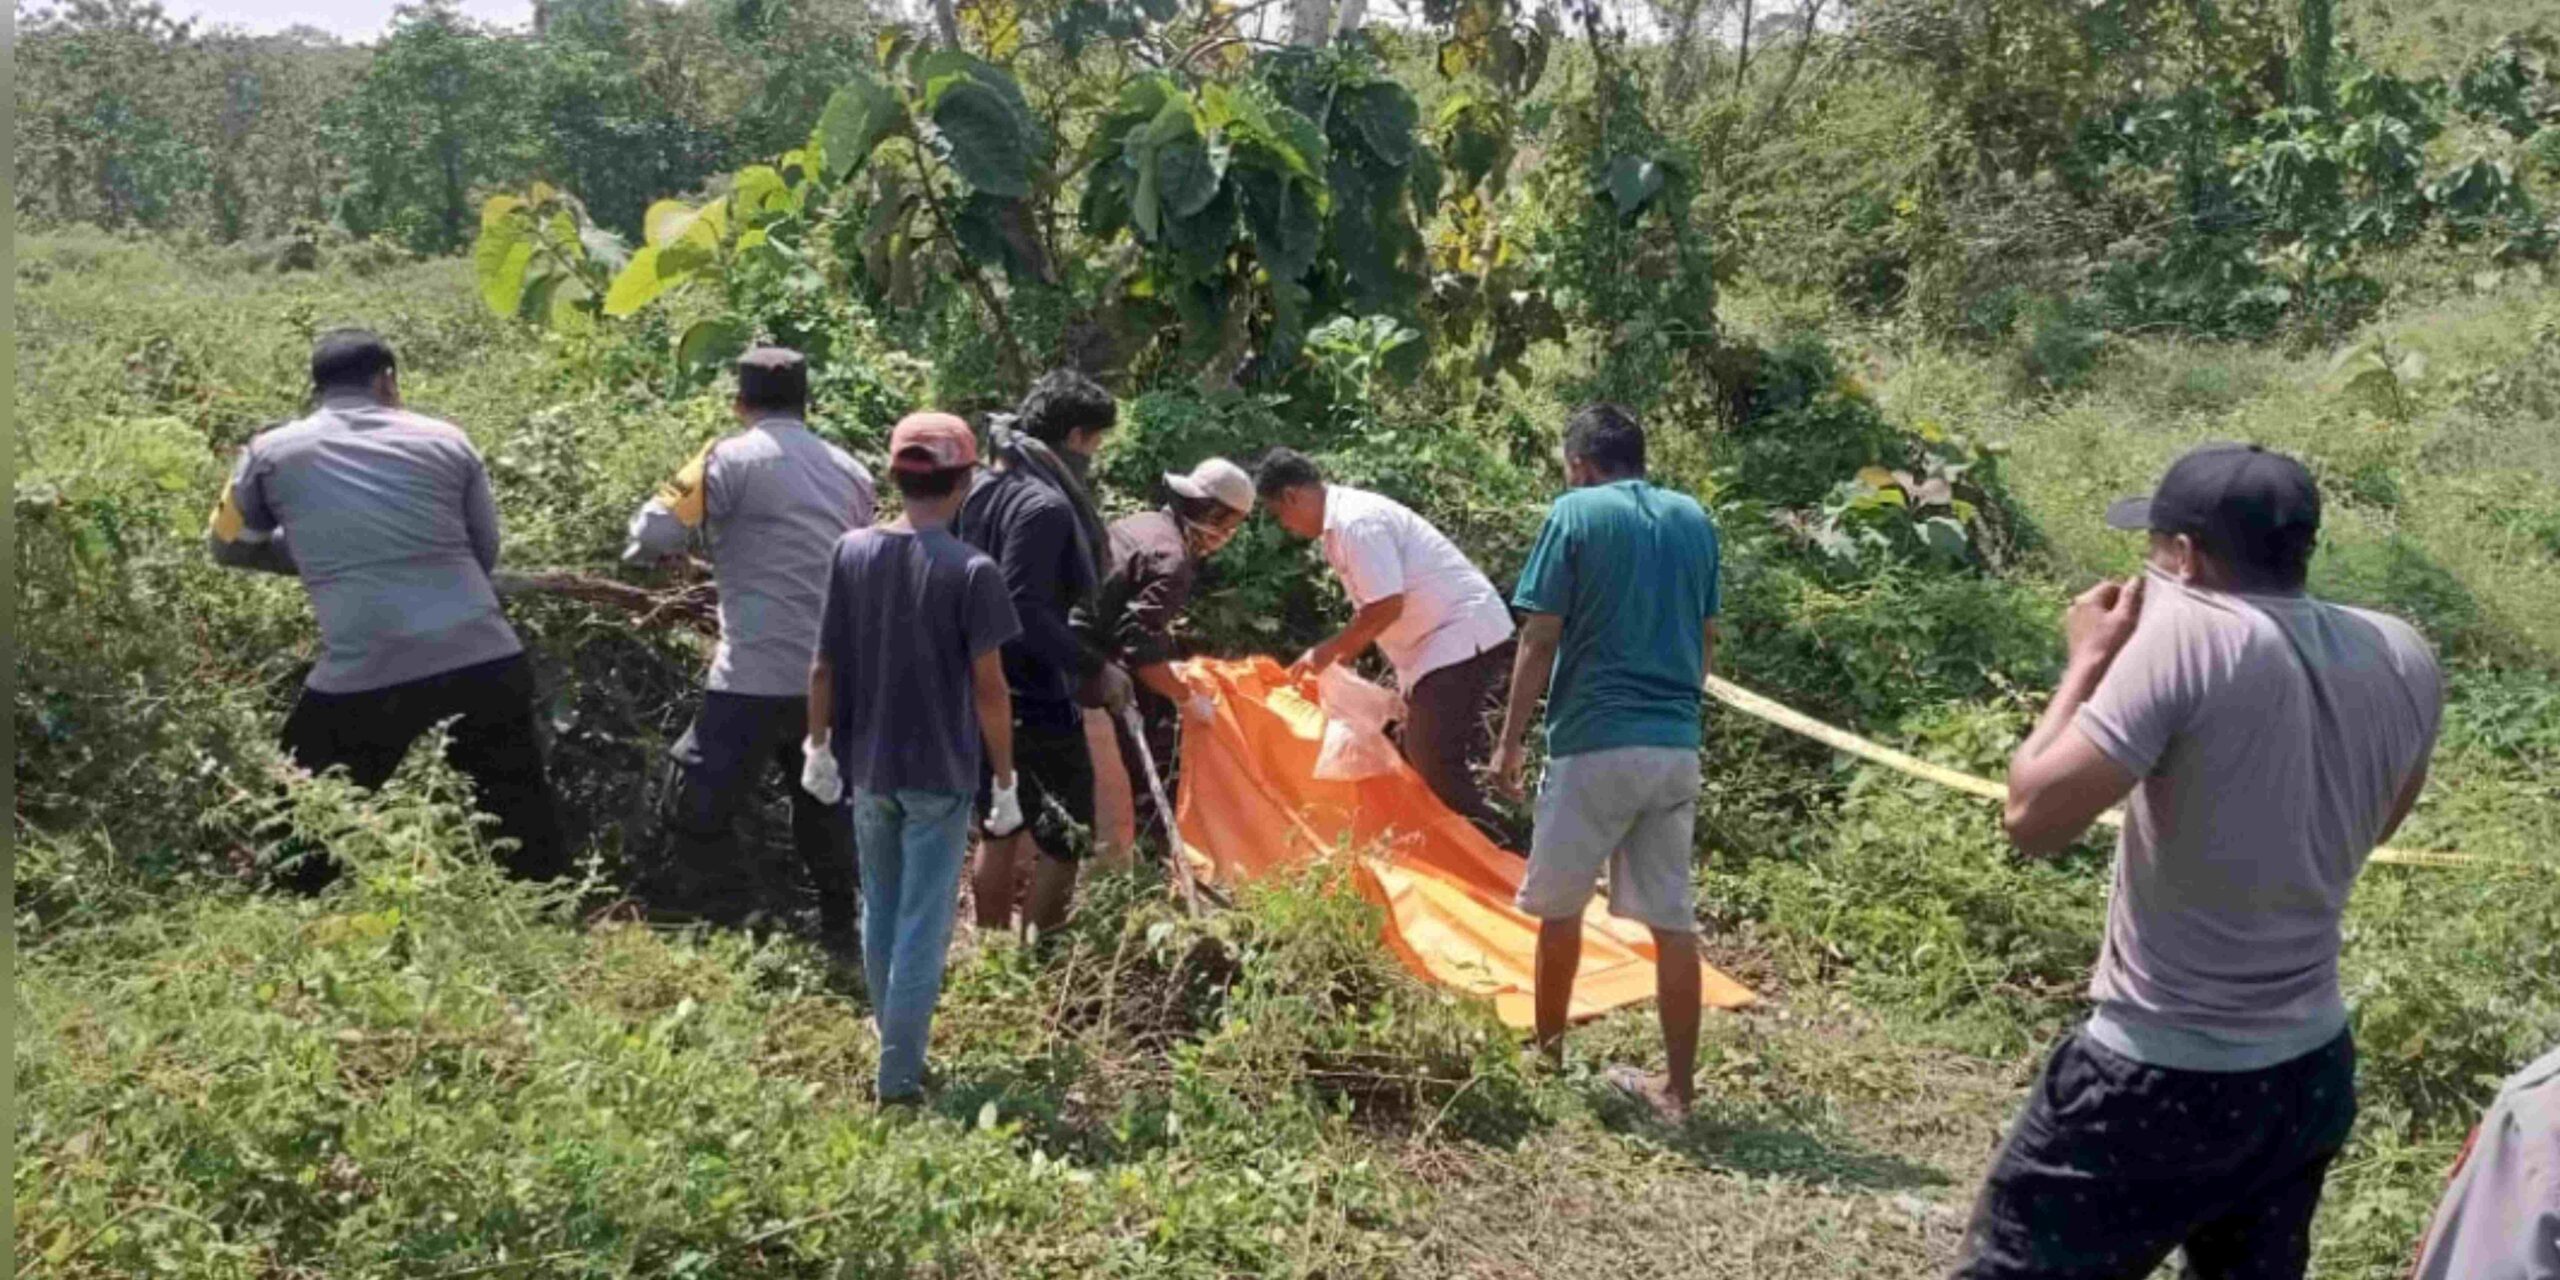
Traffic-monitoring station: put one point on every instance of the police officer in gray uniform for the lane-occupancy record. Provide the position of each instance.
(386, 517)
(770, 502)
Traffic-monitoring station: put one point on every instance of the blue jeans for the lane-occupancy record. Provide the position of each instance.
(913, 844)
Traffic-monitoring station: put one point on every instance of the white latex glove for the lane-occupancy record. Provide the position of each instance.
(818, 774)
(1004, 807)
(1202, 707)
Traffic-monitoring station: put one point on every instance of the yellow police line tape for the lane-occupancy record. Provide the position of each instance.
(1794, 721)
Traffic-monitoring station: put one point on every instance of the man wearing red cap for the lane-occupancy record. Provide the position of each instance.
(769, 501)
(907, 695)
(2262, 743)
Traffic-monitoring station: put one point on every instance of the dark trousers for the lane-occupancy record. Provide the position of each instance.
(492, 742)
(1449, 728)
(2115, 1163)
(734, 740)
(1159, 718)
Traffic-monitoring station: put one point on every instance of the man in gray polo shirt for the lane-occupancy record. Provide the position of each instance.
(771, 502)
(387, 518)
(2262, 743)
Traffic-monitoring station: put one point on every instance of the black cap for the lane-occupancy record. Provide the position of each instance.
(2253, 508)
(773, 378)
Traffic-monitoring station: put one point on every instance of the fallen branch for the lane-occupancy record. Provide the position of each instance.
(694, 606)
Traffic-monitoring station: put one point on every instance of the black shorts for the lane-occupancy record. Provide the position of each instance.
(2114, 1163)
(1055, 768)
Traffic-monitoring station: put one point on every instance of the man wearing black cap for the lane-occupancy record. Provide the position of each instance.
(387, 518)
(2262, 743)
(771, 502)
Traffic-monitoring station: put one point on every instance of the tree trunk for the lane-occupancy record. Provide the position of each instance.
(947, 23)
(1742, 57)
(1309, 21)
(1352, 12)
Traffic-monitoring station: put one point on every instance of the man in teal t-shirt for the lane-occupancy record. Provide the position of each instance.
(1620, 597)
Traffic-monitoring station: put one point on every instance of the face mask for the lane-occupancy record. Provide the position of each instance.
(1205, 540)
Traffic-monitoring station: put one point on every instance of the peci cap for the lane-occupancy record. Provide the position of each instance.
(773, 377)
(1218, 480)
(2244, 503)
(931, 442)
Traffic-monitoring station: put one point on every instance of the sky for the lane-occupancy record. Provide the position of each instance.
(346, 19)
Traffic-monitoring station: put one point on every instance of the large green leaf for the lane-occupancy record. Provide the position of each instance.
(1141, 101)
(1633, 182)
(1472, 137)
(670, 221)
(648, 275)
(1288, 332)
(1424, 178)
(710, 343)
(984, 139)
(1385, 114)
(636, 285)
(857, 117)
(998, 233)
(1105, 209)
(1202, 238)
(1287, 227)
(760, 192)
(1188, 173)
(1145, 150)
(500, 255)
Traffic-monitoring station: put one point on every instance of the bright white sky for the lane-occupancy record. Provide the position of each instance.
(347, 19)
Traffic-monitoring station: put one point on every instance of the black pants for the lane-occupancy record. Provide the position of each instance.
(1449, 730)
(2114, 1164)
(734, 740)
(492, 742)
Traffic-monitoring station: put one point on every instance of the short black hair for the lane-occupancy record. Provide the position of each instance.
(1283, 469)
(2278, 564)
(349, 358)
(1606, 436)
(928, 485)
(1064, 400)
(775, 378)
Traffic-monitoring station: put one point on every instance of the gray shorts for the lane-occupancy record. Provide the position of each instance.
(1634, 809)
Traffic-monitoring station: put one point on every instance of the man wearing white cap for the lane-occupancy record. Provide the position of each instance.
(1152, 565)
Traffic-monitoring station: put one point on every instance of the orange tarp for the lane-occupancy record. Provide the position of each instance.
(1250, 804)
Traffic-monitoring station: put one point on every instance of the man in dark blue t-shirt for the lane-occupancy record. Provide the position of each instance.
(906, 692)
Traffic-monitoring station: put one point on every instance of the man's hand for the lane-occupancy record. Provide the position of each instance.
(1004, 806)
(818, 774)
(1510, 762)
(1109, 688)
(2100, 621)
(1314, 662)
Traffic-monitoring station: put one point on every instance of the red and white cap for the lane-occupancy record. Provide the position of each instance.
(931, 442)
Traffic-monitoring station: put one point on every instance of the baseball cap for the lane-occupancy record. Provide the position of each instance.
(1218, 480)
(2246, 504)
(931, 442)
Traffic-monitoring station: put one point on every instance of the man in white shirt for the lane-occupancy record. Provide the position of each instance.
(1434, 615)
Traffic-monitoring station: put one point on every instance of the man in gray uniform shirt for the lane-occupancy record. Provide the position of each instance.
(387, 518)
(2262, 743)
(771, 501)
(2500, 1217)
